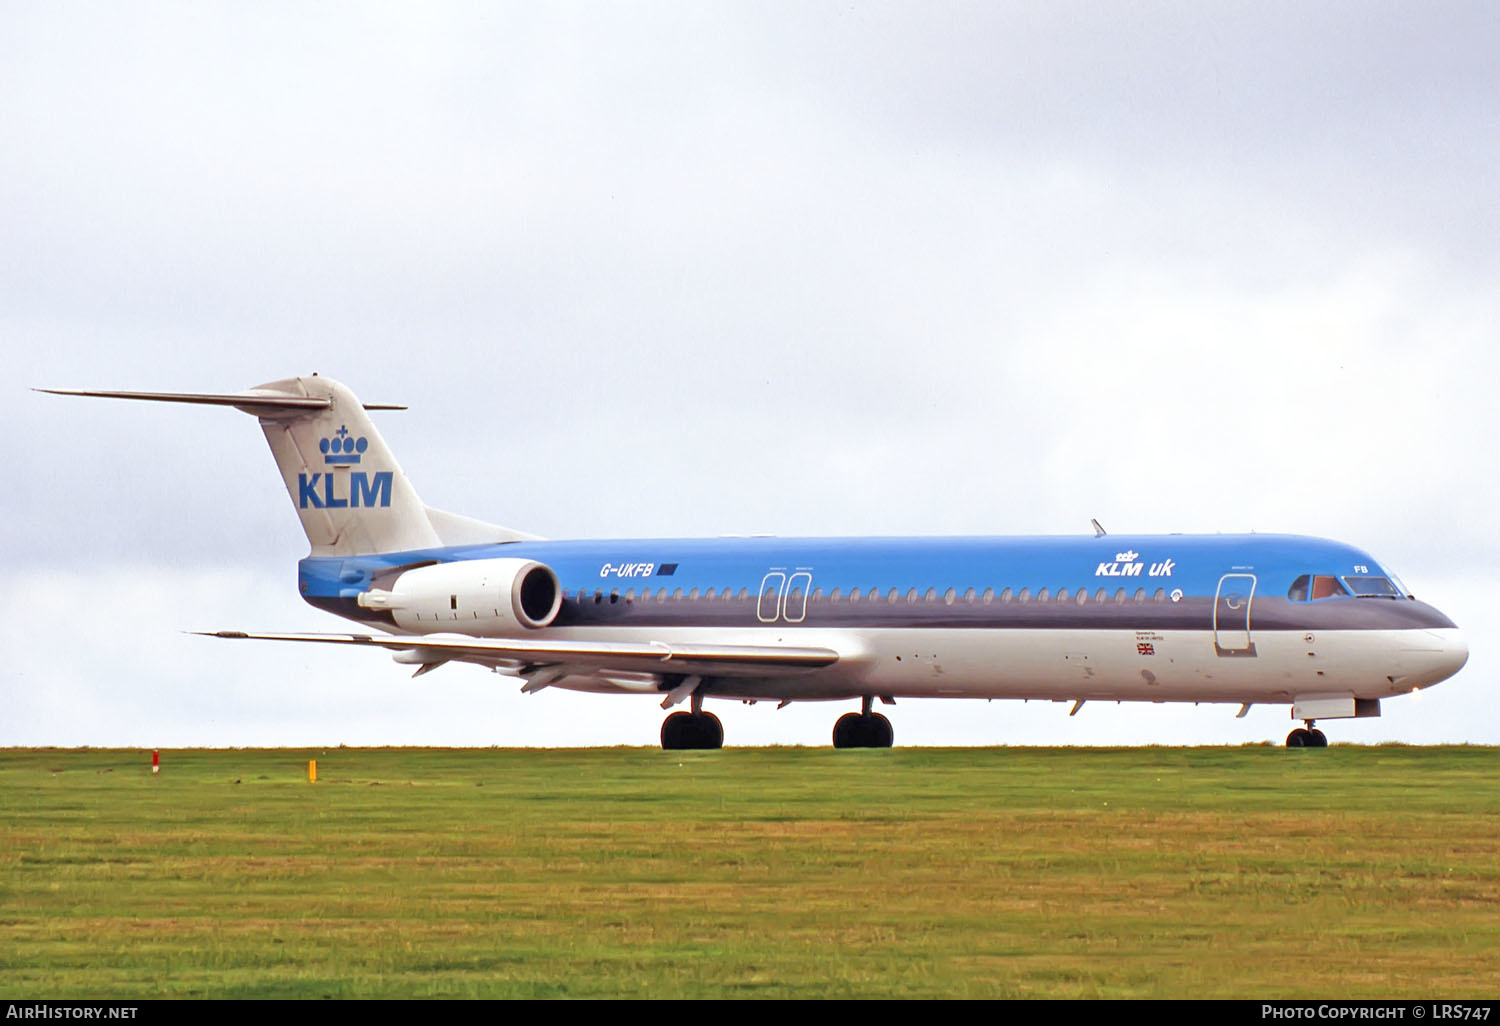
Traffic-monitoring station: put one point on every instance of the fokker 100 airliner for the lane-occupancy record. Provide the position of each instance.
(1244, 619)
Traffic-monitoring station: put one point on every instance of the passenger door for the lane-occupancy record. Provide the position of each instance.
(1232, 615)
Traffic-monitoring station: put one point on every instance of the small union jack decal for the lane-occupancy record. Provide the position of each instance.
(1145, 648)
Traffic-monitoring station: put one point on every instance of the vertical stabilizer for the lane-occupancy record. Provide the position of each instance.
(348, 490)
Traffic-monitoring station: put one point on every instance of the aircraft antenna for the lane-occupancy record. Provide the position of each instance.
(1099, 532)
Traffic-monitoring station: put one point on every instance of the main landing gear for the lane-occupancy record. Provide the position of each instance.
(863, 729)
(1309, 738)
(696, 729)
(692, 730)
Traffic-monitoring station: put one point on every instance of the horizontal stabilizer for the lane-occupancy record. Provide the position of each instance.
(348, 491)
(251, 402)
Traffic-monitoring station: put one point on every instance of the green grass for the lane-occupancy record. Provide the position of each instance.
(1212, 872)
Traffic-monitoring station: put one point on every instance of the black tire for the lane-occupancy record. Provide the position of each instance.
(677, 732)
(708, 731)
(857, 730)
(1317, 739)
(846, 732)
(1299, 738)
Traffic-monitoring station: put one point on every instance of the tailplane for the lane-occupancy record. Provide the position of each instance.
(348, 490)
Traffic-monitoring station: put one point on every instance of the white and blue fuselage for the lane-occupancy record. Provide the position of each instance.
(1154, 618)
(1315, 624)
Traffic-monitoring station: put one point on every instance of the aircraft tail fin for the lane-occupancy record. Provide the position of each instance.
(349, 492)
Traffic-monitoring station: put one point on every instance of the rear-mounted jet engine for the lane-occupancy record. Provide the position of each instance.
(481, 596)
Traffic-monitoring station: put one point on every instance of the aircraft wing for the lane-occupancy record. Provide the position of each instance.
(536, 660)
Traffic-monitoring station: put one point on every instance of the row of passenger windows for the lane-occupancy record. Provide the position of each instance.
(855, 597)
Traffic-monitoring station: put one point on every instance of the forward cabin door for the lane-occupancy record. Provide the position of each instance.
(1232, 615)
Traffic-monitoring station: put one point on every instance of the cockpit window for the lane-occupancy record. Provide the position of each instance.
(1366, 587)
(1298, 590)
(1327, 587)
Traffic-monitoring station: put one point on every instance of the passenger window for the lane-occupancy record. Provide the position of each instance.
(1298, 591)
(1023, 596)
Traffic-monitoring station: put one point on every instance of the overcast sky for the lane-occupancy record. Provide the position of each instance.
(667, 269)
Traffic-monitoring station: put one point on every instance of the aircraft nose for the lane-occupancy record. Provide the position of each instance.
(1455, 652)
(1441, 654)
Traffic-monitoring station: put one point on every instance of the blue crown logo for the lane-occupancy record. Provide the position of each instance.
(341, 448)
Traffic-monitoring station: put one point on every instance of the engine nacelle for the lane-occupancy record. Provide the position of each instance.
(476, 596)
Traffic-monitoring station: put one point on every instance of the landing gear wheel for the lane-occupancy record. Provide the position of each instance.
(1316, 739)
(1300, 738)
(863, 730)
(684, 730)
(710, 730)
(674, 731)
(846, 731)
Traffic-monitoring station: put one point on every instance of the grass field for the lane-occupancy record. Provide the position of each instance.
(1210, 872)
